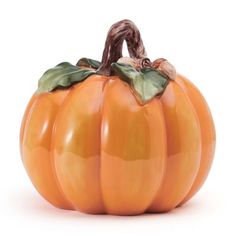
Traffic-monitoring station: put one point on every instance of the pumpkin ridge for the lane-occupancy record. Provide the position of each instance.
(54, 197)
(200, 148)
(52, 156)
(177, 149)
(77, 193)
(206, 158)
(144, 161)
(200, 156)
(149, 208)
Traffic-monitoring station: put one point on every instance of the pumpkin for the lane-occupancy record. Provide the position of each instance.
(124, 136)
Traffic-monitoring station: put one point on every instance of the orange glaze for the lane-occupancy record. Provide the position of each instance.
(183, 149)
(133, 150)
(35, 139)
(94, 148)
(207, 129)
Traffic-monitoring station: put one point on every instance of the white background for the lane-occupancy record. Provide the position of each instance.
(198, 37)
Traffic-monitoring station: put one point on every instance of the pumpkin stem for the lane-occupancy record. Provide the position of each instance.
(120, 31)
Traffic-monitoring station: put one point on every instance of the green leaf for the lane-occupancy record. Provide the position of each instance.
(88, 63)
(146, 83)
(63, 75)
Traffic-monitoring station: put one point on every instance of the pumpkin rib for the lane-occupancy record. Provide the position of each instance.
(66, 203)
(52, 158)
(183, 145)
(150, 209)
(207, 134)
(132, 162)
(36, 151)
(77, 146)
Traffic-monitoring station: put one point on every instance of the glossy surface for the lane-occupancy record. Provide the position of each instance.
(94, 148)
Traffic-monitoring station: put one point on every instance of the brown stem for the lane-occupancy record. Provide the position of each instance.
(120, 31)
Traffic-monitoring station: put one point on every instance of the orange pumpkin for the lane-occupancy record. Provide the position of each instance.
(123, 137)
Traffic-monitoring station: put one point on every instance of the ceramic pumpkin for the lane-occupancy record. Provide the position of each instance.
(124, 136)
